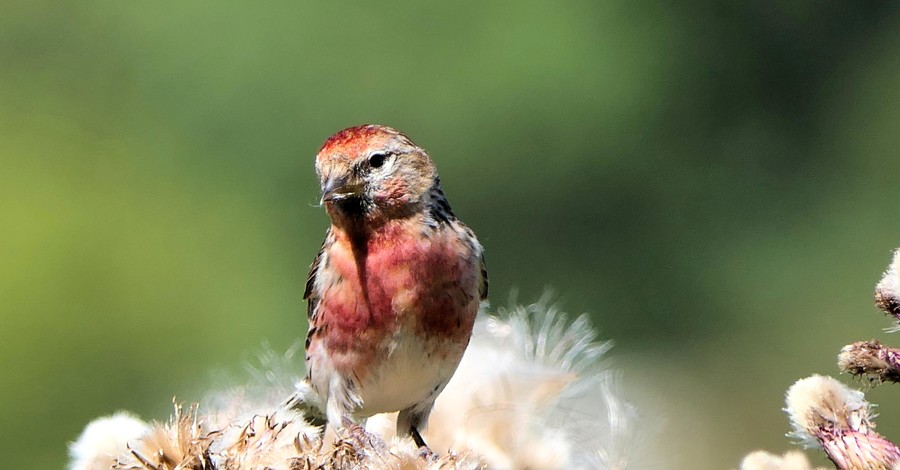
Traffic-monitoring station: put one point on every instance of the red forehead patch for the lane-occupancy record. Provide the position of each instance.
(354, 141)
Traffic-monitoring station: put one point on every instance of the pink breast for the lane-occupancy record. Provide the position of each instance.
(401, 280)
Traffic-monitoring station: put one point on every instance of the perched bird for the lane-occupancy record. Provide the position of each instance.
(396, 286)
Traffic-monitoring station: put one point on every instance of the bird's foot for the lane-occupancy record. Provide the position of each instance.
(424, 451)
(360, 438)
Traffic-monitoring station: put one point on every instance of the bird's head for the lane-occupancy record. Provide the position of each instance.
(373, 173)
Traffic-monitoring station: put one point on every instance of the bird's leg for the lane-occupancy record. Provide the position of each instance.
(425, 452)
(410, 420)
(417, 438)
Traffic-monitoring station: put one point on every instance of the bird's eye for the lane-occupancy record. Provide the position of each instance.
(377, 160)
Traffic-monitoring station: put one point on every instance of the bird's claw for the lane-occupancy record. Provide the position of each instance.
(425, 453)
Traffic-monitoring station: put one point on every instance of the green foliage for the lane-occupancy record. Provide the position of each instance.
(714, 182)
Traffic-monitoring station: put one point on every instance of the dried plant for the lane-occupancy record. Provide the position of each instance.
(532, 391)
(827, 414)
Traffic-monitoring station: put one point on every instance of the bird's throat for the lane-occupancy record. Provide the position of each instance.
(353, 207)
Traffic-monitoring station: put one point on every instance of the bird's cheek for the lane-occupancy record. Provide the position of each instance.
(383, 199)
(392, 193)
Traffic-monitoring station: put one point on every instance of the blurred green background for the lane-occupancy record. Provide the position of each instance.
(715, 182)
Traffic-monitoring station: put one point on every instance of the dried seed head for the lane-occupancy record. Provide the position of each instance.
(825, 413)
(887, 291)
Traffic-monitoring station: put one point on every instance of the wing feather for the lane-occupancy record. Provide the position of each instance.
(310, 294)
(483, 286)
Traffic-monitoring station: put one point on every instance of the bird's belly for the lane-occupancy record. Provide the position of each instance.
(414, 370)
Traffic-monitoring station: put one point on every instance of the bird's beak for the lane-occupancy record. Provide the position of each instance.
(337, 188)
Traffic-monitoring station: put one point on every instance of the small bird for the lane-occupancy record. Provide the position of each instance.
(394, 291)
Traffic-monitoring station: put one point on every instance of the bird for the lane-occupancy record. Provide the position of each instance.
(394, 291)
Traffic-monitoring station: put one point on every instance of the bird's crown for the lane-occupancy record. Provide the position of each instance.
(356, 142)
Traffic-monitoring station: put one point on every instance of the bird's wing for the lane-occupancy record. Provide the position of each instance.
(310, 294)
(466, 233)
(483, 286)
